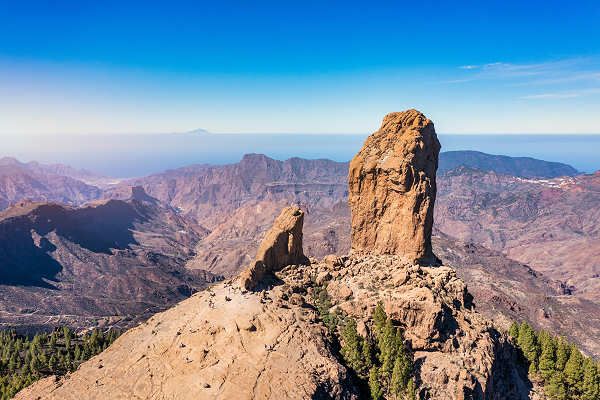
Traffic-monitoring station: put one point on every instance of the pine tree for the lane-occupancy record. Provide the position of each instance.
(53, 340)
(12, 363)
(43, 358)
(34, 364)
(367, 356)
(52, 362)
(375, 385)
(401, 374)
(94, 337)
(514, 330)
(547, 358)
(397, 380)
(77, 354)
(352, 349)
(555, 388)
(574, 371)
(68, 362)
(387, 348)
(591, 381)
(379, 318)
(532, 371)
(66, 332)
(411, 392)
(528, 344)
(400, 349)
(563, 351)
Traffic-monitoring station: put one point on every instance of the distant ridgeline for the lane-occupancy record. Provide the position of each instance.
(564, 372)
(24, 361)
(525, 167)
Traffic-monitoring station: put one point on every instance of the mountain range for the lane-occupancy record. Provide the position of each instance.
(353, 292)
(511, 220)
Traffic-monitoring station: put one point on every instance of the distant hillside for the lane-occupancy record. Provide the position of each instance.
(106, 262)
(525, 167)
(550, 224)
(30, 181)
(55, 169)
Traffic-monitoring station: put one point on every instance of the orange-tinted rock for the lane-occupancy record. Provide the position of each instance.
(392, 188)
(281, 246)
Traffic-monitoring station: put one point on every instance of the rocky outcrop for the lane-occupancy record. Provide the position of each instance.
(218, 344)
(281, 246)
(392, 188)
(458, 354)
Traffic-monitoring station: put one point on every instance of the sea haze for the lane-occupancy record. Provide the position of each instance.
(143, 154)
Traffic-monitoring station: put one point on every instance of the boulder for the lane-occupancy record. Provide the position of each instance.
(392, 189)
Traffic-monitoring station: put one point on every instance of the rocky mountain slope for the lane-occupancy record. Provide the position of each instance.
(209, 193)
(197, 190)
(550, 224)
(505, 290)
(525, 167)
(83, 175)
(467, 207)
(519, 217)
(19, 181)
(106, 263)
(260, 336)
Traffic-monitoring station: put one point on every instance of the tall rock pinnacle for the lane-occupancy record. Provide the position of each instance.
(281, 246)
(392, 188)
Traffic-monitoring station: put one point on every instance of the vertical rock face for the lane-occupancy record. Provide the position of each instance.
(392, 189)
(281, 246)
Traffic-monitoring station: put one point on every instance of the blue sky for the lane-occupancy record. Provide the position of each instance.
(305, 67)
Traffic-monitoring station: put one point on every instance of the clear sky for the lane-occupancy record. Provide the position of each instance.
(305, 67)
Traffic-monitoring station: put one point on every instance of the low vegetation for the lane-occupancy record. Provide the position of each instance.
(565, 373)
(382, 362)
(24, 360)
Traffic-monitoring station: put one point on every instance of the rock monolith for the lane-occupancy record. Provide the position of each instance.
(392, 189)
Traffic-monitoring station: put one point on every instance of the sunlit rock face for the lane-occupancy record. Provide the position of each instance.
(392, 189)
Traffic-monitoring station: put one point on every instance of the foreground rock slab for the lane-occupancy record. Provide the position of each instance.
(245, 346)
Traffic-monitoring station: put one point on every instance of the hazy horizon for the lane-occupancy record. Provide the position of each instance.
(126, 156)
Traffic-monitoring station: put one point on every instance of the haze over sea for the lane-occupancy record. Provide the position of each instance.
(143, 154)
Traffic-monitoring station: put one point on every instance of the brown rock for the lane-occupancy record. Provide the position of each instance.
(323, 277)
(392, 188)
(243, 349)
(281, 246)
(333, 261)
(460, 355)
